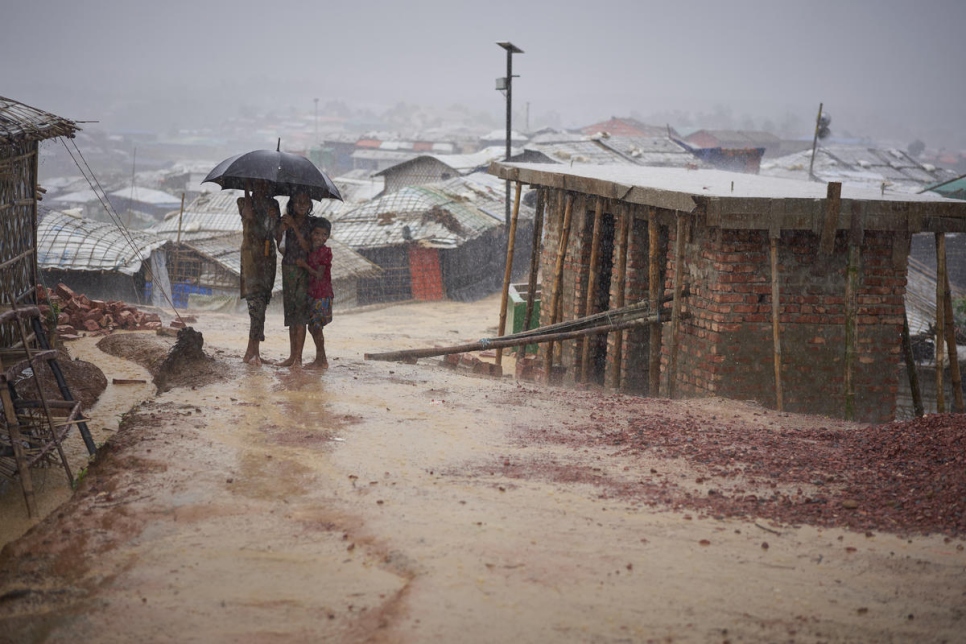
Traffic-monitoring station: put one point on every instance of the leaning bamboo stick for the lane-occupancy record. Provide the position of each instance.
(676, 308)
(511, 239)
(515, 340)
(940, 321)
(776, 321)
(558, 274)
(589, 303)
(16, 442)
(654, 291)
(534, 264)
(954, 374)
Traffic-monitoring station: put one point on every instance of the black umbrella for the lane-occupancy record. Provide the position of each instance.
(288, 174)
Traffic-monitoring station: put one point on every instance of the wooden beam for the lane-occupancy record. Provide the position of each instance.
(833, 203)
(911, 372)
(535, 247)
(940, 320)
(620, 267)
(510, 241)
(16, 442)
(954, 374)
(592, 286)
(655, 289)
(851, 307)
(676, 307)
(773, 238)
(558, 274)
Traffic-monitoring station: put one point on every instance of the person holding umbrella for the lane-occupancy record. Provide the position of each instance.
(295, 230)
(260, 219)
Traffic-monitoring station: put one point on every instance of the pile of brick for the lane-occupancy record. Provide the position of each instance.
(77, 313)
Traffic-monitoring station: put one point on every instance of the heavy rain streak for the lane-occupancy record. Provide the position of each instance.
(525, 321)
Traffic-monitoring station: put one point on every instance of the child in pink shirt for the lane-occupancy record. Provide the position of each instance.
(319, 266)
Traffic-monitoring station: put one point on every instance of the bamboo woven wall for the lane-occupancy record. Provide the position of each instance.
(18, 228)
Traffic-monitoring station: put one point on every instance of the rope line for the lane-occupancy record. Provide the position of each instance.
(115, 218)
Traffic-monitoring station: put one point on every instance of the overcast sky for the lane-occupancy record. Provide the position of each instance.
(880, 66)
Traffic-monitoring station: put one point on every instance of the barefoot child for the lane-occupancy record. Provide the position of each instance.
(319, 267)
(294, 228)
(260, 214)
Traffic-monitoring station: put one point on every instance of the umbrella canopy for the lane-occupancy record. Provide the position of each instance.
(288, 173)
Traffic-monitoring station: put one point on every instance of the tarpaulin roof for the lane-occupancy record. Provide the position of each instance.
(439, 215)
(69, 243)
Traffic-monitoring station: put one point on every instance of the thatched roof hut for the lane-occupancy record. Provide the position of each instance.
(21, 129)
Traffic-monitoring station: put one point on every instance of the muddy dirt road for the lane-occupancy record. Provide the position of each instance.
(380, 502)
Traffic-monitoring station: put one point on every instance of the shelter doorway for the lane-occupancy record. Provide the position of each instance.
(605, 259)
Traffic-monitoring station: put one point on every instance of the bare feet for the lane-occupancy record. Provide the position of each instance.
(290, 362)
(324, 364)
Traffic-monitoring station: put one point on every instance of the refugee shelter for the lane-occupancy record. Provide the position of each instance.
(32, 430)
(103, 261)
(432, 168)
(785, 292)
(436, 241)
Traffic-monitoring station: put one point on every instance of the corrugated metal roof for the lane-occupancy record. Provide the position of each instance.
(213, 214)
(651, 151)
(440, 215)
(69, 243)
(19, 122)
(462, 163)
(583, 151)
(861, 166)
(225, 250)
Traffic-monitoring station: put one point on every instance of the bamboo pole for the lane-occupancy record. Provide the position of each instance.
(954, 374)
(851, 309)
(776, 319)
(654, 291)
(833, 204)
(515, 340)
(510, 242)
(911, 371)
(940, 321)
(676, 307)
(558, 275)
(621, 267)
(177, 249)
(534, 264)
(592, 285)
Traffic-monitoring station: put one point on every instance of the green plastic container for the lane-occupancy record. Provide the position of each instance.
(517, 310)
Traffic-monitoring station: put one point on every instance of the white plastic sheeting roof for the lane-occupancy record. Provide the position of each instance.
(69, 243)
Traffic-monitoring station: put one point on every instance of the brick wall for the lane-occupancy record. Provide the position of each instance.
(726, 347)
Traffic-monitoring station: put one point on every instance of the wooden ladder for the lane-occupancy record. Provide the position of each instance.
(36, 428)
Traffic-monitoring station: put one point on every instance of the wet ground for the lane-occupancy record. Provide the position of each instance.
(385, 502)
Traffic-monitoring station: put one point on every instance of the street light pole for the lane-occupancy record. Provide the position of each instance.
(510, 50)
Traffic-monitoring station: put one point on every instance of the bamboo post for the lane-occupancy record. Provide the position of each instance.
(911, 372)
(655, 288)
(773, 236)
(940, 321)
(676, 307)
(534, 264)
(954, 373)
(833, 204)
(177, 251)
(510, 242)
(558, 275)
(592, 285)
(621, 267)
(851, 309)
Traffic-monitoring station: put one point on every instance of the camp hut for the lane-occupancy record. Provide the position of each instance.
(22, 128)
(205, 256)
(433, 168)
(785, 292)
(437, 241)
(103, 261)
